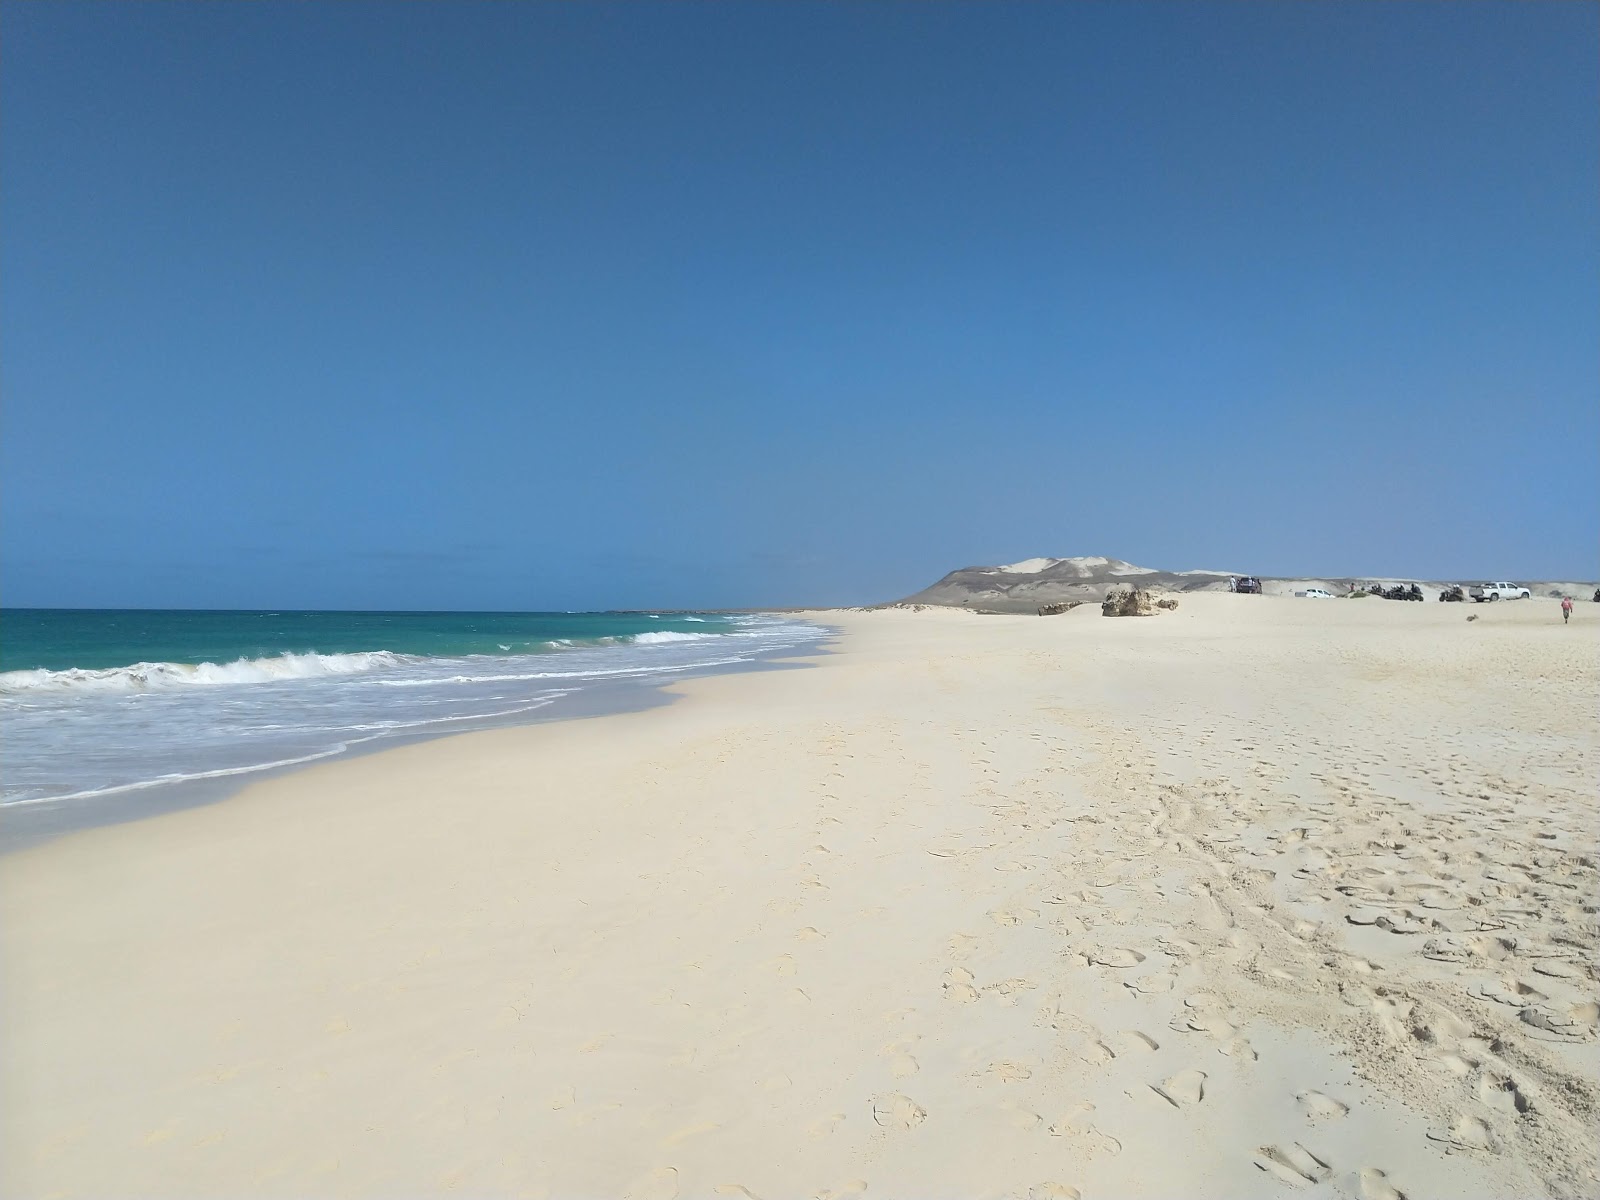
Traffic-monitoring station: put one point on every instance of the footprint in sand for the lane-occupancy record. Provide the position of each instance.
(660, 1184)
(1095, 1053)
(1143, 1043)
(903, 1065)
(1078, 1127)
(1019, 1117)
(1204, 1014)
(845, 1190)
(1007, 989)
(1375, 1185)
(1076, 1120)
(1457, 1065)
(1053, 1191)
(1295, 1165)
(735, 1189)
(809, 934)
(958, 985)
(1116, 956)
(784, 964)
(1184, 1089)
(962, 944)
(1151, 985)
(1009, 1072)
(1239, 1048)
(1317, 1106)
(1500, 1092)
(895, 1111)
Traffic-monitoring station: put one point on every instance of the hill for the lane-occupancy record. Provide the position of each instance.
(1026, 586)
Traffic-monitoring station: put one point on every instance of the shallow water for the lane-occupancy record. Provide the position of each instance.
(116, 719)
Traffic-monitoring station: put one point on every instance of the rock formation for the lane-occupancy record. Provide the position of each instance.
(1125, 601)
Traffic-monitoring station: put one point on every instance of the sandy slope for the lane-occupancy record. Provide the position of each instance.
(1260, 898)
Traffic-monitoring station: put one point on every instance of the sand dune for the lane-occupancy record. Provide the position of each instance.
(1257, 898)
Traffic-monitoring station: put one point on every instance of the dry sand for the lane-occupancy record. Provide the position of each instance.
(1259, 898)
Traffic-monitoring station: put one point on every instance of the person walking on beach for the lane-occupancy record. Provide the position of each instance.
(1566, 609)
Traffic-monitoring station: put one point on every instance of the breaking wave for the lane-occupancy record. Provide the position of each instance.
(160, 676)
(84, 732)
(153, 677)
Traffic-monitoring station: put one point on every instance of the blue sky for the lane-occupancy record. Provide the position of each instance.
(555, 306)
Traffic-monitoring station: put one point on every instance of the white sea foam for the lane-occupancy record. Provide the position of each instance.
(180, 777)
(146, 677)
(80, 733)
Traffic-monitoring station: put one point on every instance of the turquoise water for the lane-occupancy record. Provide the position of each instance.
(57, 639)
(102, 703)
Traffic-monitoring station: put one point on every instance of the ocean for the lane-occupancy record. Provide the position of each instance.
(102, 703)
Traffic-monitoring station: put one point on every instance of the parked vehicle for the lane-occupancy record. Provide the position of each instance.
(1316, 594)
(1249, 585)
(1453, 592)
(1398, 591)
(1597, 595)
(1499, 591)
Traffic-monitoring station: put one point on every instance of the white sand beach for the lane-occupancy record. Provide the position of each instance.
(1261, 897)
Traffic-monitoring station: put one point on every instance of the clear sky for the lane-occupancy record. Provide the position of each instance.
(565, 306)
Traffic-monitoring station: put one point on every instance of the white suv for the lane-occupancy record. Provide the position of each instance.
(1499, 591)
(1316, 594)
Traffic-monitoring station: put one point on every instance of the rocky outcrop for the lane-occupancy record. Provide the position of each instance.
(1127, 601)
(1055, 610)
(1167, 602)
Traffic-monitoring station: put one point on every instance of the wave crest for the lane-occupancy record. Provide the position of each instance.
(666, 635)
(150, 677)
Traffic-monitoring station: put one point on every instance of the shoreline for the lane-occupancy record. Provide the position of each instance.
(1012, 905)
(29, 823)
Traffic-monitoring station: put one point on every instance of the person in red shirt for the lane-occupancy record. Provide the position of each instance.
(1566, 609)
